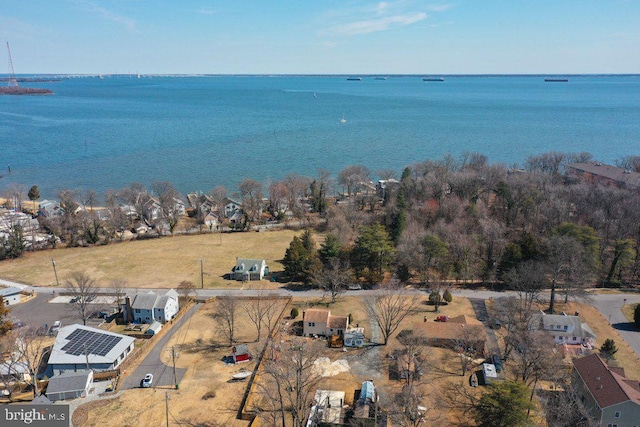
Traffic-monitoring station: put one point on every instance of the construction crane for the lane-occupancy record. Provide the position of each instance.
(13, 82)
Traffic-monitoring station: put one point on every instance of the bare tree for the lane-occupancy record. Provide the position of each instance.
(251, 193)
(187, 290)
(354, 178)
(291, 379)
(225, 316)
(258, 310)
(528, 280)
(388, 307)
(168, 198)
(561, 252)
(119, 288)
(333, 278)
(83, 289)
(29, 348)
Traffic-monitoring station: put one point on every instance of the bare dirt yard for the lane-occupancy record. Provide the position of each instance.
(154, 263)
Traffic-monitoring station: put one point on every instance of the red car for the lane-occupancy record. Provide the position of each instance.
(442, 318)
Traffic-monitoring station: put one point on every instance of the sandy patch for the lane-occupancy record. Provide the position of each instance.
(326, 368)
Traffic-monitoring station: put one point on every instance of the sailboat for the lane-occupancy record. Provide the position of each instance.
(343, 120)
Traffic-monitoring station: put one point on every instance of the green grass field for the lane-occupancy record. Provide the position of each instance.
(154, 263)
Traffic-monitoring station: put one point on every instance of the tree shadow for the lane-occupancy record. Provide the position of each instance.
(625, 326)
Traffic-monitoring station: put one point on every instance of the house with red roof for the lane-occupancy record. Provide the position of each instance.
(610, 397)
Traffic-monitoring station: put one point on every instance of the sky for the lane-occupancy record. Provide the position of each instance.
(321, 36)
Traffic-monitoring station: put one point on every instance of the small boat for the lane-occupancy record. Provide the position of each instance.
(433, 79)
(315, 95)
(241, 375)
(356, 79)
(379, 78)
(556, 80)
(343, 119)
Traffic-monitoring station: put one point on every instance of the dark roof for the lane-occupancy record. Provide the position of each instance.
(606, 386)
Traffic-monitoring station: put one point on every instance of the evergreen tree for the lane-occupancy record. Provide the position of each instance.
(608, 348)
(330, 250)
(505, 405)
(301, 259)
(372, 253)
(34, 194)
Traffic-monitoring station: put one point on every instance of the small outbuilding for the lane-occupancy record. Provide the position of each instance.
(70, 385)
(154, 328)
(354, 337)
(240, 353)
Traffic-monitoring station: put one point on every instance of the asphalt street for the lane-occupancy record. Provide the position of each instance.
(609, 304)
(152, 364)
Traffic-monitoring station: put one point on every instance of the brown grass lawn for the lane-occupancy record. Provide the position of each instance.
(200, 351)
(628, 310)
(155, 263)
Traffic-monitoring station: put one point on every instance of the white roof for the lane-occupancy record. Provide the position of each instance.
(100, 346)
(9, 291)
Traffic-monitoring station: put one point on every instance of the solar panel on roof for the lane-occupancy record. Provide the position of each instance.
(82, 341)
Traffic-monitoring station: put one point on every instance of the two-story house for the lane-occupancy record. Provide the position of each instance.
(150, 307)
(612, 399)
(316, 321)
(564, 328)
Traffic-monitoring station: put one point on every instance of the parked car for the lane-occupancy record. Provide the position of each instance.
(147, 381)
(497, 362)
(55, 328)
(354, 287)
(442, 318)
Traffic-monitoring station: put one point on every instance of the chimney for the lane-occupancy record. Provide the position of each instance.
(128, 313)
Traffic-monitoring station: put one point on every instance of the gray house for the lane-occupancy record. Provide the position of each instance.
(611, 398)
(150, 307)
(80, 347)
(70, 385)
(249, 269)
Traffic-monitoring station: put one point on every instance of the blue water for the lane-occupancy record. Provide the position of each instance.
(199, 132)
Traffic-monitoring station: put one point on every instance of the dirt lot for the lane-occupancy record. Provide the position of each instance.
(154, 263)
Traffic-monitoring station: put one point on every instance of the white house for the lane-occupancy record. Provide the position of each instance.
(564, 328)
(150, 307)
(249, 269)
(11, 296)
(316, 321)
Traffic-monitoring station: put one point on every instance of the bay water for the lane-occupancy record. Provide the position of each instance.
(198, 132)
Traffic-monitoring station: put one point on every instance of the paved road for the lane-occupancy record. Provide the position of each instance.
(609, 305)
(162, 374)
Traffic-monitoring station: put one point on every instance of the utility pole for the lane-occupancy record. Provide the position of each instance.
(173, 357)
(202, 273)
(55, 271)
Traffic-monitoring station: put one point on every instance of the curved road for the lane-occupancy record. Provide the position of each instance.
(152, 363)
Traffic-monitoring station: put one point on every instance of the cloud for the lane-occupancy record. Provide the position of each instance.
(439, 8)
(379, 24)
(206, 11)
(128, 23)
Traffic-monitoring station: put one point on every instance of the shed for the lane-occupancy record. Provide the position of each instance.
(154, 328)
(240, 353)
(70, 385)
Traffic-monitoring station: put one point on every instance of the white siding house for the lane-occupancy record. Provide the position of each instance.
(150, 307)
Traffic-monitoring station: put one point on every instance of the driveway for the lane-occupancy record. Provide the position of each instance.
(610, 306)
(162, 374)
